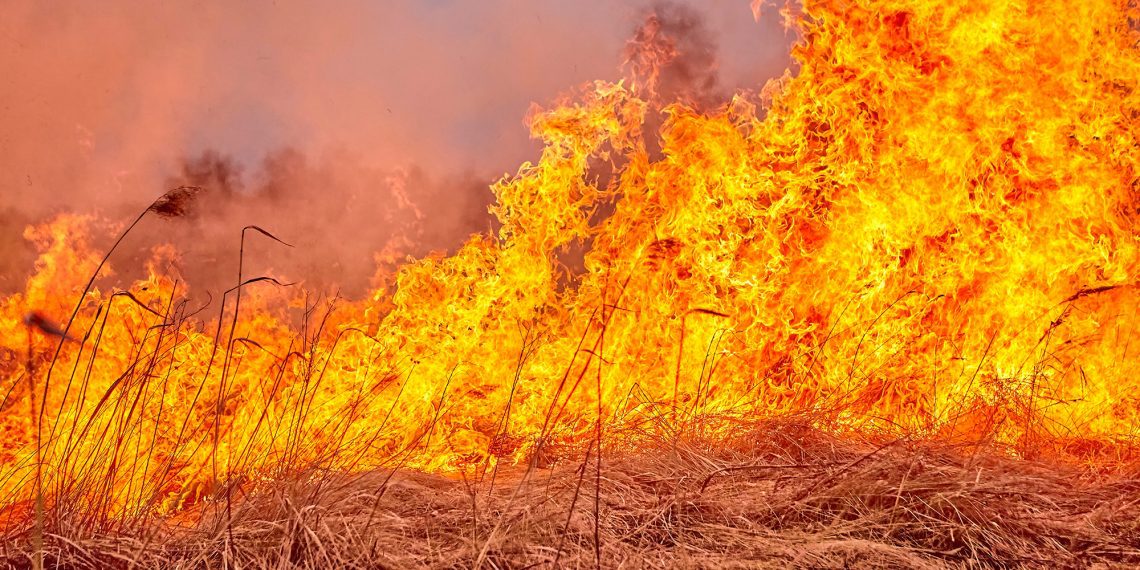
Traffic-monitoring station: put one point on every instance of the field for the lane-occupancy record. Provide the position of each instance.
(780, 495)
(881, 313)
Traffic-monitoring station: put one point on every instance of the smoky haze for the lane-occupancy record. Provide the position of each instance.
(347, 128)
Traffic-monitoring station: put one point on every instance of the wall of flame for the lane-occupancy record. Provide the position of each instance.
(931, 231)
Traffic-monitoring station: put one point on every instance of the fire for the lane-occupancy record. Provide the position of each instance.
(933, 230)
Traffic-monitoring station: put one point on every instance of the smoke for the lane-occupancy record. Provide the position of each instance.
(343, 217)
(15, 254)
(674, 57)
(346, 129)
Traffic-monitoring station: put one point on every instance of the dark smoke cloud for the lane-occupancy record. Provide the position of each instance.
(343, 217)
(674, 56)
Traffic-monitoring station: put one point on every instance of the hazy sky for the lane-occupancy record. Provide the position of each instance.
(112, 87)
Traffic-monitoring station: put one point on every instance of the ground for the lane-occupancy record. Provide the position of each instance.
(778, 496)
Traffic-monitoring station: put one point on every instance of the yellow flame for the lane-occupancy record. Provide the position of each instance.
(931, 231)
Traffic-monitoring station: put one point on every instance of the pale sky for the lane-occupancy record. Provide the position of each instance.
(98, 90)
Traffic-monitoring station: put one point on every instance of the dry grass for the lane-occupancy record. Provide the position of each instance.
(778, 495)
(781, 496)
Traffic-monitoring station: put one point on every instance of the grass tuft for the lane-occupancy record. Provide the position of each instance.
(780, 495)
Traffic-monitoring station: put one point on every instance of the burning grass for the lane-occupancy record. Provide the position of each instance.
(929, 234)
(780, 495)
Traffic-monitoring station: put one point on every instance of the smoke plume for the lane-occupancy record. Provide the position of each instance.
(348, 130)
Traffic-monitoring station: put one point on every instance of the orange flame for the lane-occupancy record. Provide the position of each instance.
(931, 231)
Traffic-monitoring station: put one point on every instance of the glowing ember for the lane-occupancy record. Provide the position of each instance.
(931, 231)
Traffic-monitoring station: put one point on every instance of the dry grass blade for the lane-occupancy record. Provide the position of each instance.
(694, 504)
(267, 234)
